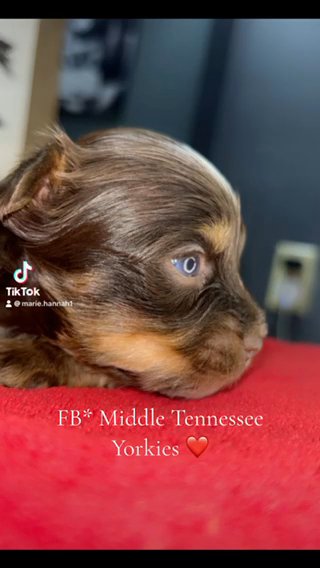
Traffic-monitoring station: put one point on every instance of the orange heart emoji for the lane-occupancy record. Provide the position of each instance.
(197, 445)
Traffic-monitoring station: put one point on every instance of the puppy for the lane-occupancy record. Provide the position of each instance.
(134, 241)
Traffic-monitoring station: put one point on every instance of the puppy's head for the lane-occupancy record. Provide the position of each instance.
(144, 236)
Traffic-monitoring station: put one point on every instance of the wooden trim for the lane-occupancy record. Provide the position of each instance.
(43, 109)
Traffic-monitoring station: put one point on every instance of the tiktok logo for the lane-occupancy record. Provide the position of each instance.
(21, 274)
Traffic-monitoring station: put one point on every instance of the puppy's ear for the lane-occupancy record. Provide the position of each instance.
(35, 178)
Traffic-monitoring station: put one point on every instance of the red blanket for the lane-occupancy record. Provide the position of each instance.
(254, 486)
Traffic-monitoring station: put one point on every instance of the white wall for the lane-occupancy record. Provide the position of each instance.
(15, 88)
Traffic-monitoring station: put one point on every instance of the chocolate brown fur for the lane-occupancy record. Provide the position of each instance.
(99, 221)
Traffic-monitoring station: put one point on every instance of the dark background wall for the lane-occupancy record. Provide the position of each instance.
(267, 140)
(167, 80)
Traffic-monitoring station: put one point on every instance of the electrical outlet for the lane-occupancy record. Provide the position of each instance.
(292, 278)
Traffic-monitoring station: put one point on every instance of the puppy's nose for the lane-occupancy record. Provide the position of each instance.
(252, 344)
(263, 330)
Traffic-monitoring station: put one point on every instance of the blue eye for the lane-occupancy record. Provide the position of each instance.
(187, 265)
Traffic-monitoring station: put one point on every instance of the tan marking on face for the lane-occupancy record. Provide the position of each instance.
(138, 352)
(219, 234)
(66, 286)
(85, 283)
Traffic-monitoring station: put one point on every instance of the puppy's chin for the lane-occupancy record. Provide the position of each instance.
(225, 367)
(207, 385)
(203, 385)
(202, 390)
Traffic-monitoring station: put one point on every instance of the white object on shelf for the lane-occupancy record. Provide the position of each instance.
(292, 293)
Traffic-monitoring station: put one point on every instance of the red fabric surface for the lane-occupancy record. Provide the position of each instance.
(253, 487)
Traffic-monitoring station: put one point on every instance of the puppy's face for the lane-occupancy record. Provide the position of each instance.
(144, 236)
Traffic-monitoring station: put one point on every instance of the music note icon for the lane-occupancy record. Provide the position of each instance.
(21, 274)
